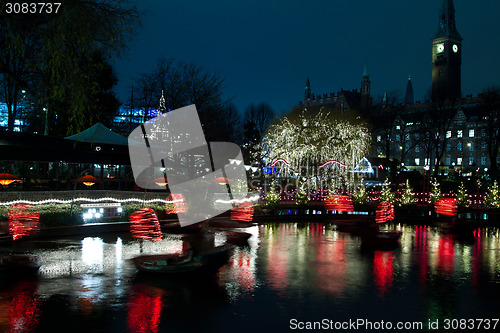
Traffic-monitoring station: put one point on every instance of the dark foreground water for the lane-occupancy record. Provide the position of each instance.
(288, 277)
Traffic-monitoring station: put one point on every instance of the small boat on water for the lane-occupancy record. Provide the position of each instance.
(382, 238)
(237, 237)
(185, 264)
(20, 264)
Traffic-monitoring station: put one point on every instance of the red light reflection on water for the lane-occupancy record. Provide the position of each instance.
(278, 258)
(477, 254)
(144, 311)
(24, 309)
(331, 266)
(421, 244)
(241, 270)
(383, 269)
(23, 221)
(446, 255)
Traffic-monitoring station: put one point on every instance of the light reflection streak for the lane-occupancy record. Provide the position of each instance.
(92, 253)
(287, 258)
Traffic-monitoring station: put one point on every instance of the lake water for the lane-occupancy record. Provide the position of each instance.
(290, 275)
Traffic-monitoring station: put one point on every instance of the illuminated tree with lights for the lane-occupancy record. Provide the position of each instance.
(492, 199)
(435, 194)
(272, 198)
(306, 141)
(302, 195)
(360, 197)
(408, 196)
(386, 194)
(462, 196)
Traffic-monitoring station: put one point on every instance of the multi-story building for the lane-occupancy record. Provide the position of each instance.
(449, 129)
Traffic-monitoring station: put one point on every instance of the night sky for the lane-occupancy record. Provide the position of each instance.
(266, 49)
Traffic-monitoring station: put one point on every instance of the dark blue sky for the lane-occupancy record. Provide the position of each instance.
(266, 49)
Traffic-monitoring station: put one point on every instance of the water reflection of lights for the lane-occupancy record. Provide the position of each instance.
(240, 274)
(92, 253)
(144, 311)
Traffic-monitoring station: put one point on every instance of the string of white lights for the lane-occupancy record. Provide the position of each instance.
(106, 199)
(251, 199)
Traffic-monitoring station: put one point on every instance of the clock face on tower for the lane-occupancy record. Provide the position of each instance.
(455, 48)
(440, 48)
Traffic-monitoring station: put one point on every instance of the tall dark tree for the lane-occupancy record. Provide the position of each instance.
(18, 48)
(66, 78)
(437, 121)
(257, 119)
(491, 107)
(261, 115)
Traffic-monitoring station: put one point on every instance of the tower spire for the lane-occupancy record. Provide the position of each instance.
(409, 92)
(446, 56)
(447, 26)
(307, 92)
(365, 87)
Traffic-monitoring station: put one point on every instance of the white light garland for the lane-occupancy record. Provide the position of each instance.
(60, 201)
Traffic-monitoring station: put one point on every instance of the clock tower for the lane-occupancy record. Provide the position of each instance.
(446, 56)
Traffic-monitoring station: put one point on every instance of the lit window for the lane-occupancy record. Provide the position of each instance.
(471, 146)
(448, 147)
(448, 134)
(471, 133)
(471, 160)
(459, 146)
(398, 127)
(379, 138)
(483, 160)
(459, 133)
(484, 145)
(417, 161)
(459, 161)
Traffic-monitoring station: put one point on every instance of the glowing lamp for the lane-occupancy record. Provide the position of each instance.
(144, 225)
(385, 212)
(243, 212)
(222, 180)
(87, 180)
(176, 204)
(7, 179)
(341, 203)
(161, 181)
(446, 206)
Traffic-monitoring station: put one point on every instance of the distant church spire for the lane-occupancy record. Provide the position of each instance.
(409, 92)
(307, 92)
(365, 87)
(365, 70)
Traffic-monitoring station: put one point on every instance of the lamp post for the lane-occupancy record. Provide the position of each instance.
(46, 130)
